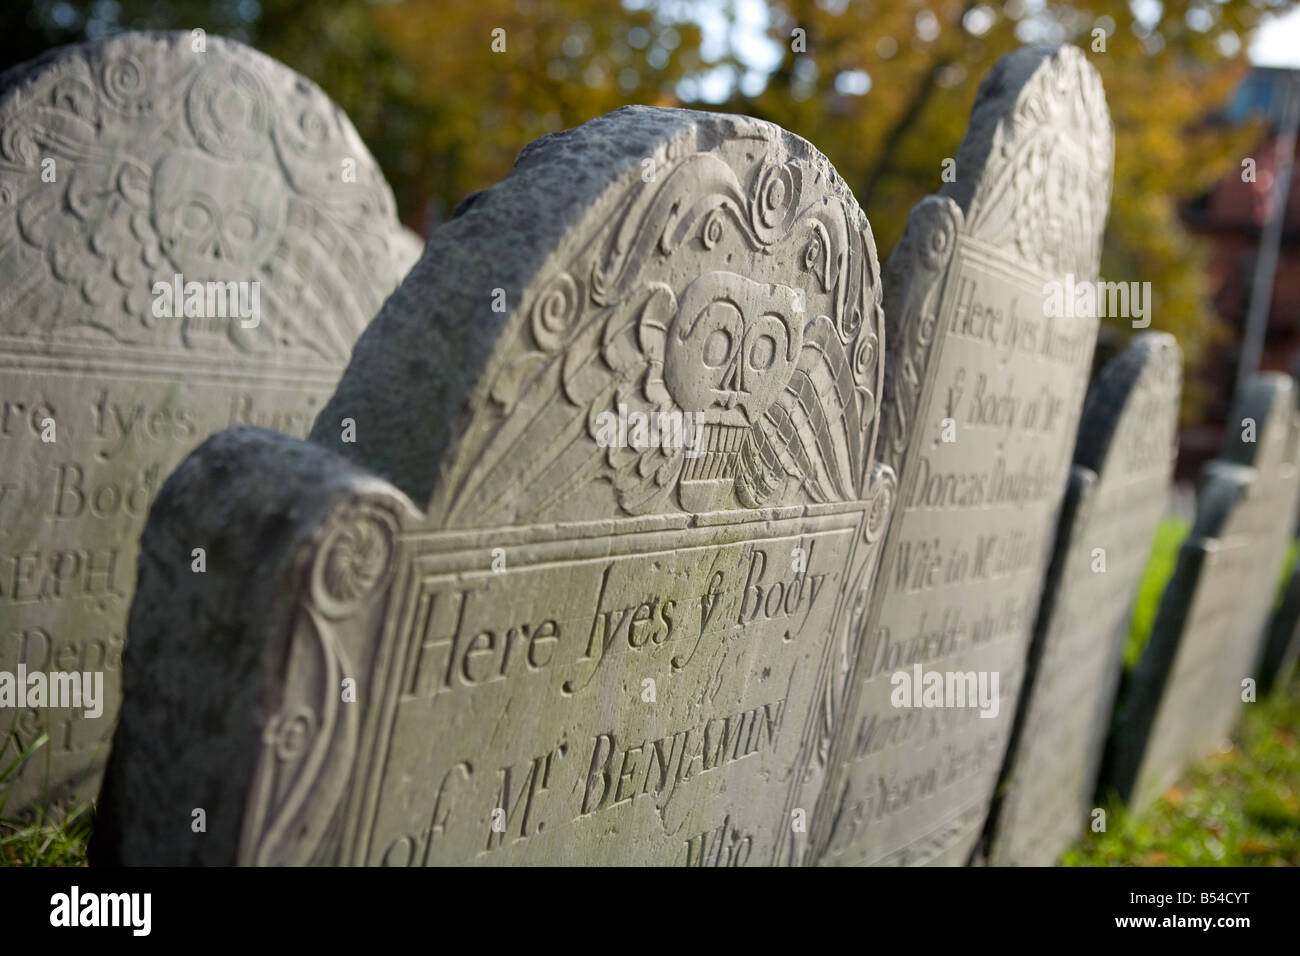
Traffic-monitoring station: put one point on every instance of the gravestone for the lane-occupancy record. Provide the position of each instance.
(191, 236)
(982, 400)
(1282, 646)
(1123, 462)
(569, 570)
(1183, 699)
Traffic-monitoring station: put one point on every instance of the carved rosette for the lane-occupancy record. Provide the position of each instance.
(355, 562)
(229, 112)
(309, 744)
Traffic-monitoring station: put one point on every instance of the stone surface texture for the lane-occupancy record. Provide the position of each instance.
(481, 629)
(982, 400)
(1185, 695)
(1123, 463)
(130, 168)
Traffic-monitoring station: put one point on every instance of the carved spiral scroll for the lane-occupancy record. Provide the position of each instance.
(354, 562)
(914, 281)
(884, 485)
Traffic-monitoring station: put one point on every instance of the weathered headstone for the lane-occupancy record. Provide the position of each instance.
(983, 393)
(1123, 461)
(1185, 695)
(1282, 645)
(191, 236)
(592, 642)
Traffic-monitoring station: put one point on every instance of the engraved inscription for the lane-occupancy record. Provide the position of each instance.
(982, 396)
(1124, 461)
(219, 168)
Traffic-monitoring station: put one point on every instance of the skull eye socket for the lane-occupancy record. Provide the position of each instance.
(762, 352)
(193, 218)
(241, 227)
(717, 348)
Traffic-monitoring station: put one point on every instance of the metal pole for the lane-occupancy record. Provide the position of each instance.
(1261, 289)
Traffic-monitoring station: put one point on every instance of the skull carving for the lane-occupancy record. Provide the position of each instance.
(730, 351)
(732, 347)
(217, 221)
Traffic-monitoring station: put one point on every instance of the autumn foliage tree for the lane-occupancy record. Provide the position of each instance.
(1163, 71)
(446, 93)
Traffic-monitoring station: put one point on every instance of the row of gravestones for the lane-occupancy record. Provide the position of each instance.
(636, 531)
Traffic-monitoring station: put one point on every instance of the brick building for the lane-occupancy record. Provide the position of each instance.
(1232, 216)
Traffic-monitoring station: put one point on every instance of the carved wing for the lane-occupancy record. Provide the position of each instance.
(78, 248)
(126, 163)
(813, 434)
(705, 384)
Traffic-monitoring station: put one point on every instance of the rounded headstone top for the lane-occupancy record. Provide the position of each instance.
(1034, 170)
(1261, 421)
(1139, 387)
(665, 266)
(135, 165)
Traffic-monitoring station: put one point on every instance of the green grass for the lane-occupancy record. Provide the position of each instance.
(1170, 533)
(1240, 808)
(53, 836)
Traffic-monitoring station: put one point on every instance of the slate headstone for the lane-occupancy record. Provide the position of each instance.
(1123, 462)
(191, 236)
(1185, 695)
(1282, 647)
(982, 400)
(586, 644)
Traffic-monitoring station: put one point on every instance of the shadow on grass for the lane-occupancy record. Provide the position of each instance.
(1237, 808)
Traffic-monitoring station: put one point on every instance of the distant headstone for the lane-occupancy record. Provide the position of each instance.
(191, 236)
(1200, 662)
(1282, 647)
(1123, 462)
(633, 389)
(988, 361)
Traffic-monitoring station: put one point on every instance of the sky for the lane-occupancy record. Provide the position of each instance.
(1276, 43)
